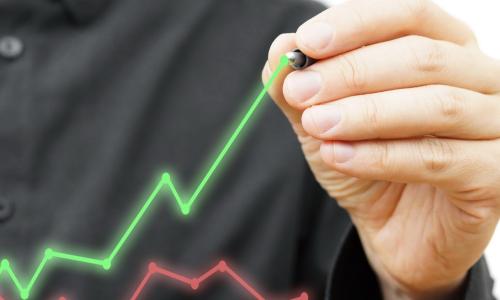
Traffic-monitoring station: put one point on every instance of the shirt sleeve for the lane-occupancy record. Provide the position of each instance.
(352, 277)
(479, 285)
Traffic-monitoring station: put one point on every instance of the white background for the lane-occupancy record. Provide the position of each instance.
(483, 16)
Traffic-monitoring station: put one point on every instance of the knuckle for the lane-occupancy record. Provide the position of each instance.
(435, 154)
(370, 113)
(352, 72)
(384, 162)
(417, 10)
(451, 105)
(428, 56)
(469, 35)
(360, 24)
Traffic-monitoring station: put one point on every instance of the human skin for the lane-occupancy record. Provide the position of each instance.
(399, 121)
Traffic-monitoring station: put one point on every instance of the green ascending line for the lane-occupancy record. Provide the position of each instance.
(165, 181)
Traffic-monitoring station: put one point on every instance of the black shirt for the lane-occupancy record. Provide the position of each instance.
(99, 98)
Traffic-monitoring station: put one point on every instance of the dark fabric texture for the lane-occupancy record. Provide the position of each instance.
(105, 97)
(353, 278)
(349, 266)
(479, 283)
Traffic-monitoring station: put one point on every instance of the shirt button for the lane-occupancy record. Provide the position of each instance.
(6, 209)
(11, 47)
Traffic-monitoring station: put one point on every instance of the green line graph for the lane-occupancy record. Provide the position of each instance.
(184, 204)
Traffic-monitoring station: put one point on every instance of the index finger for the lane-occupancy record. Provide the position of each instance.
(357, 23)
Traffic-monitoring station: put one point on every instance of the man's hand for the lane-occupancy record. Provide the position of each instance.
(400, 122)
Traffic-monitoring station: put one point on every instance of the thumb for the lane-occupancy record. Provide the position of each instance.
(282, 44)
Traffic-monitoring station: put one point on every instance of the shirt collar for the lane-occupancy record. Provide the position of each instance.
(83, 11)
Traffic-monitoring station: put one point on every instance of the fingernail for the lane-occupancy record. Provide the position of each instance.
(342, 152)
(300, 86)
(336, 152)
(320, 119)
(316, 36)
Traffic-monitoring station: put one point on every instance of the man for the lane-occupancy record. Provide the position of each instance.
(99, 98)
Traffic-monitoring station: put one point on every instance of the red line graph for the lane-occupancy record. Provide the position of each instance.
(194, 283)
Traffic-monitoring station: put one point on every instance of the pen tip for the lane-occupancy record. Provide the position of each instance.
(292, 56)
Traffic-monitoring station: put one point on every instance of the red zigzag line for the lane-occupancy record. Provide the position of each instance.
(194, 283)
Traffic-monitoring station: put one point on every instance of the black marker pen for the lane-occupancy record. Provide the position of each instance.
(298, 60)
